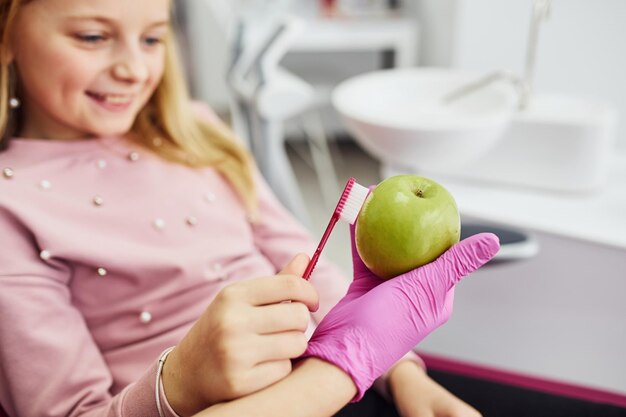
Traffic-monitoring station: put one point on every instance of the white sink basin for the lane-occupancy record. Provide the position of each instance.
(559, 143)
(398, 116)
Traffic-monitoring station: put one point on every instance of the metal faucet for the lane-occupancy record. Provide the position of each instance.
(523, 86)
(541, 11)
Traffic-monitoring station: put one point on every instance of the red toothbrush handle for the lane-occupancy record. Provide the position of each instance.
(320, 246)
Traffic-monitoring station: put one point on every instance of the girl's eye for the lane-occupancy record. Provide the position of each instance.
(152, 40)
(91, 38)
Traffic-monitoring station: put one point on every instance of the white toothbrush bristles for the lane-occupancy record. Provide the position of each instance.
(347, 209)
(353, 203)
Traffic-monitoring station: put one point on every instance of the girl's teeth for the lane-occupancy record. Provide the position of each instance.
(110, 98)
(116, 99)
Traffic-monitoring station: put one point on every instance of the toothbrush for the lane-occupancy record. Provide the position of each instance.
(348, 208)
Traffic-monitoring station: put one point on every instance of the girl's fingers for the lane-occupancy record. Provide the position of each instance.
(280, 346)
(296, 266)
(276, 289)
(267, 373)
(277, 318)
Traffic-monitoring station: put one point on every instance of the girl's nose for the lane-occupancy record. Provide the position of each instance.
(130, 68)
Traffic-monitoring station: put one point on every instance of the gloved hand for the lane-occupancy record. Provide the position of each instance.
(377, 321)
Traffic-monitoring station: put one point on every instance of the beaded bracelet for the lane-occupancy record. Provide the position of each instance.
(157, 386)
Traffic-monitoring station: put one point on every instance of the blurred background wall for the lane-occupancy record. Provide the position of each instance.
(580, 46)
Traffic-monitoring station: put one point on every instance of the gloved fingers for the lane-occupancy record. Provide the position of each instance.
(363, 279)
(449, 302)
(465, 257)
(357, 262)
(361, 285)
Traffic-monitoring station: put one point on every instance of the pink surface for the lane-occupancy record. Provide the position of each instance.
(524, 381)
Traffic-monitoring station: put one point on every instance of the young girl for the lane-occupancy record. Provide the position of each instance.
(132, 222)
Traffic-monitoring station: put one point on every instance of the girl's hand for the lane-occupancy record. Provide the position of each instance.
(415, 394)
(243, 342)
(377, 321)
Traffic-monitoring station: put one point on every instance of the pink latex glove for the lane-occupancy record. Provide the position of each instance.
(377, 321)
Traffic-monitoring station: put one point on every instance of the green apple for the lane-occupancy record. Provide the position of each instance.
(406, 221)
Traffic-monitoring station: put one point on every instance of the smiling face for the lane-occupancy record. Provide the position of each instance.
(86, 68)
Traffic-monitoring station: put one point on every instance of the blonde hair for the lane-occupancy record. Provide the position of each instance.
(8, 11)
(167, 124)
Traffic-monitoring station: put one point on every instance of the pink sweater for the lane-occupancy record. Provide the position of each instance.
(109, 254)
